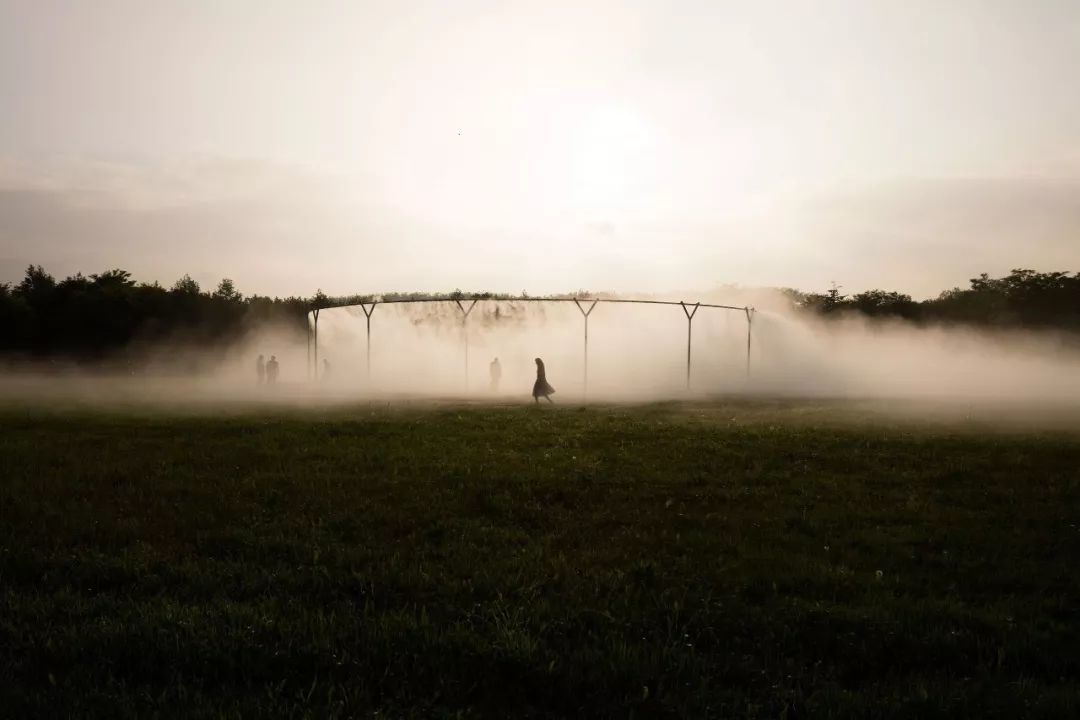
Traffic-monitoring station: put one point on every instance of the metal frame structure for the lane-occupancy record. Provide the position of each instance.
(689, 310)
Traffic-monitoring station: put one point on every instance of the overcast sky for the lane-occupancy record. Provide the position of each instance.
(548, 146)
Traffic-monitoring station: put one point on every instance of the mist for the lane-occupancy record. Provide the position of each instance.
(639, 352)
(636, 353)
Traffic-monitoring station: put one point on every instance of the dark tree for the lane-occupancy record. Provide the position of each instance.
(108, 315)
(186, 285)
(227, 291)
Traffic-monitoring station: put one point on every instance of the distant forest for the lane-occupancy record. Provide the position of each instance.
(97, 316)
(1022, 299)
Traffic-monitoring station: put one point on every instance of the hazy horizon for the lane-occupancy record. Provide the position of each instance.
(372, 147)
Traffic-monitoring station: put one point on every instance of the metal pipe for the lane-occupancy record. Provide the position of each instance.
(540, 299)
(749, 327)
(585, 357)
(465, 332)
(689, 333)
(316, 313)
(367, 318)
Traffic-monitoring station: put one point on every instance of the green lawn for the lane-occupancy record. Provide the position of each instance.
(722, 560)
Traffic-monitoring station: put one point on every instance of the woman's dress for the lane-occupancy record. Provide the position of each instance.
(541, 388)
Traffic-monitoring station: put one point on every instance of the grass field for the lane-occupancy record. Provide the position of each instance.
(735, 559)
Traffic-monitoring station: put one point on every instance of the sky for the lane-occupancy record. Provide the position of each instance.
(547, 146)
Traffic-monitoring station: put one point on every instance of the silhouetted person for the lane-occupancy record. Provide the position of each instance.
(325, 369)
(496, 374)
(272, 370)
(260, 370)
(541, 386)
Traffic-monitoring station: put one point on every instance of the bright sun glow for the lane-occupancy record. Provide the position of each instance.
(610, 160)
(592, 159)
(550, 158)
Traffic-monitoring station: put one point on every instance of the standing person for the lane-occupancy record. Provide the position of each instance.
(272, 370)
(325, 369)
(496, 374)
(541, 387)
(260, 371)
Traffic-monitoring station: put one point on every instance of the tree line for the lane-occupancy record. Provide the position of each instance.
(98, 316)
(1022, 299)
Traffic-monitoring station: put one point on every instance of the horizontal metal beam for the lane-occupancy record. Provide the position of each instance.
(403, 301)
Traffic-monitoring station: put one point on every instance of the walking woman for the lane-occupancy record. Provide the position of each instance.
(541, 386)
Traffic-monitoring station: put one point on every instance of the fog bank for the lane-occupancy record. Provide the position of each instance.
(635, 353)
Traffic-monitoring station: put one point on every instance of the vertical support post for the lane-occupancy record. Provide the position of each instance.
(689, 331)
(367, 318)
(316, 314)
(585, 357)
(585, 361)
(749, 327)
(465, 333)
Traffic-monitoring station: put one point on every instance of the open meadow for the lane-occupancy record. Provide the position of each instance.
(734, 558)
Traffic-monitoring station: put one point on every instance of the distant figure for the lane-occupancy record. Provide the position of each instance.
(272, 370)
(496, 374)
(541, 386)
(325, 369)
(260, 371)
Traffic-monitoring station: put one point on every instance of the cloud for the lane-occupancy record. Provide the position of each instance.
(282, 229)
(271, 228)
(923, 236)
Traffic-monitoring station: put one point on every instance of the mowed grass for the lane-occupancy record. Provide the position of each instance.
(721, 560)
